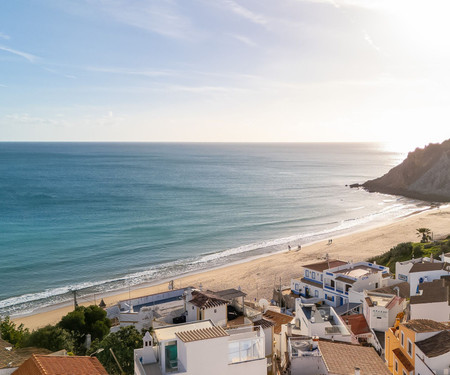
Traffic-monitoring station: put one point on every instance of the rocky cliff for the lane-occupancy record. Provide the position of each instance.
(424, 174)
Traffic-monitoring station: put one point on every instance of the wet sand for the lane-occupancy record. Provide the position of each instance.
(257, 277)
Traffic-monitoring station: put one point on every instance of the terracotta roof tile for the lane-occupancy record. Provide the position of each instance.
(403, 359)
(436, 345)
(403, 289)
(341, 359)
(206, 300)
(324, 265)
(425, 325)
(12, 357)
(201, 334)
(64, 365)
(435, 266)
(316, 284)
(278, 319)
(357, 323)
(264, 323)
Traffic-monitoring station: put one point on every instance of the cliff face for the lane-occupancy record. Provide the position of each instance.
(424, 174)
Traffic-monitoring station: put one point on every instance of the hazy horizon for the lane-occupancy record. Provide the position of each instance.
(225, 71)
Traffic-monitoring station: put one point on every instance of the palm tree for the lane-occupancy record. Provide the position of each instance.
(424, 233)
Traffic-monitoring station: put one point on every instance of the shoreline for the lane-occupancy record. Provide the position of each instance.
(256, 275)
(91, 297)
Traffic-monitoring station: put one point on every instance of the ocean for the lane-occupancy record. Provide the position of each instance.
(98, 217)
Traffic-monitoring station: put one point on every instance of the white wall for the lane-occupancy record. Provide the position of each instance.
(437, 364)
(308, 366)
(208, 357)
(191, 312)
(438, 311)
(218, 315)
(426, 276)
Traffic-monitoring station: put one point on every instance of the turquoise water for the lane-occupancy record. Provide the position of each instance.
(97, 217)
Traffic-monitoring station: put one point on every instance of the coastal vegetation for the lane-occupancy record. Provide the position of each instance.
(122, 343)
(407, 250)
(70, 334)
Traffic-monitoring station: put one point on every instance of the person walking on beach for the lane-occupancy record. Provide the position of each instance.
(289, 247)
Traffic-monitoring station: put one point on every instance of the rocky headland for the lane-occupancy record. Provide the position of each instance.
(424, 175)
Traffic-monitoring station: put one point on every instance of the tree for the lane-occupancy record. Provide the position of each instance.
(53, 338)
(14, 335)
(424, 233)
(84, 320)
(123, 343)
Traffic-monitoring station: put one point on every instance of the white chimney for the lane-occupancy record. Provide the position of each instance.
(315, 342)
(289, 329)
(357, 371)
(188, 294)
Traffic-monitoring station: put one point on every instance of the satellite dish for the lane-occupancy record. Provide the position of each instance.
(264, 304)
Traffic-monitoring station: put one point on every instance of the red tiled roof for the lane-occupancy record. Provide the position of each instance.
(64, 365)
(324, 265)
(342, 358)
(357, 323)
(206, 300)
(403, 359)
(425, 325)
(278, 319)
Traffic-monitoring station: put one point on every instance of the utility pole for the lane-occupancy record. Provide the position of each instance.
(75, 303)
(115, 358)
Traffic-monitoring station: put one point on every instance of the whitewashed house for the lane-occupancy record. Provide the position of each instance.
(432, 355)
(381, 310)
(333, 358)
(420, 270)
(201, 348)
(205, 305)
(338, 282)
(433, 301)
(321, 321)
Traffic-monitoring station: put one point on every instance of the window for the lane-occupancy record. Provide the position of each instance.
(321, 277)
(402, 340)
(306, 273)
(192, 307)
(396, 366)
(316, 293)
(347, 287)
(215, 310)
(313, 275)
(410, 348)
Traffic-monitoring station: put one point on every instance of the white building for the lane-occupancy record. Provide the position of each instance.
(417, 271)
(305, 357)
(338, 282)
(206, 305)
(381, 310)
(333, 358)
(432, 355)
(143, 312)
(321, 321)
(433, 301)
(201, 348)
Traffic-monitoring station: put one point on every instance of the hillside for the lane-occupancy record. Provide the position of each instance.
(424, 174)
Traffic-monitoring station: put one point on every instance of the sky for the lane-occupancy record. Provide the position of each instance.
(225, 71)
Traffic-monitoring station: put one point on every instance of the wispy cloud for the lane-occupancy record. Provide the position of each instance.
(4, 36)
(243, 39)
(163, 17)
(1, 85)
(245, 13)
(133, 72)
(25, 55)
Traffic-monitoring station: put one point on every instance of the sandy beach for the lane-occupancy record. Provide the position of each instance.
(257, 277)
